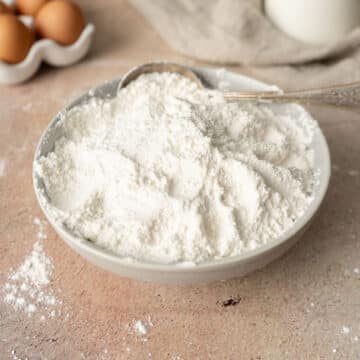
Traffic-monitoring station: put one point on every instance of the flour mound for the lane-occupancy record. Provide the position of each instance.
(167, 172)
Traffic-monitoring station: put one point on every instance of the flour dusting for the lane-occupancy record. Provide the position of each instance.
(142, 327)
(27, 288)
(2, 167)
(170, 173)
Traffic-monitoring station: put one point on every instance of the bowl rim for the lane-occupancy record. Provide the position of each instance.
(185, 267)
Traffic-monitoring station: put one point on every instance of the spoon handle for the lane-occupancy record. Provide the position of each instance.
(342, 95)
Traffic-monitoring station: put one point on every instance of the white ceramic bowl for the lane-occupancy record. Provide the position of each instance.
(206, 272)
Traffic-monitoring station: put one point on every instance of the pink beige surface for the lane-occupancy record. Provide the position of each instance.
(294, 308)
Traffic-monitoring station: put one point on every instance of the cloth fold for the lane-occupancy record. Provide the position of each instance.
(237, 32)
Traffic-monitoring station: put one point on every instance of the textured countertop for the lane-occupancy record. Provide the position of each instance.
(305, 305)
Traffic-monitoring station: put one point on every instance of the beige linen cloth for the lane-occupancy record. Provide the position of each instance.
(238, 32)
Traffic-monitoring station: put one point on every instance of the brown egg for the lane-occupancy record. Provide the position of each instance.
(60, 20)
(29, 7)
(4, 9)
(15, 39)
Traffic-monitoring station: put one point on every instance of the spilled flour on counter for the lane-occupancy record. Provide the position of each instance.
(2, 167)
(141, 328)
(27, 287)
(168, 172)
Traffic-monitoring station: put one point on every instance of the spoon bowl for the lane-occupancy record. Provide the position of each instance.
(159, 67)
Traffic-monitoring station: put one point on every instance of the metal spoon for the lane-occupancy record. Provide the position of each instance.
(340, 95)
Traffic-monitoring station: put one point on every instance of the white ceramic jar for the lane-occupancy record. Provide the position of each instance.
(314, 21)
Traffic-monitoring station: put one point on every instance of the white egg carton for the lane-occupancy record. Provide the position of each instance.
(48, 51)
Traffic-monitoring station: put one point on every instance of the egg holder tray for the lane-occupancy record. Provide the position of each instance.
(48, 51)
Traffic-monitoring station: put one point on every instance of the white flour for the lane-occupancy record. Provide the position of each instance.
(167, 172)
(2, 167)
(27, 288)
(142, 327)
